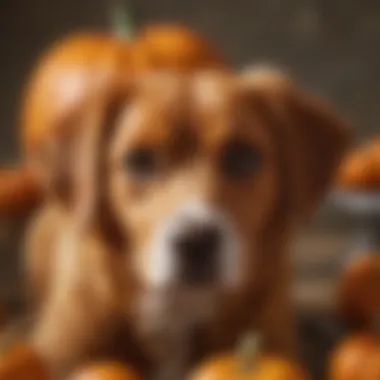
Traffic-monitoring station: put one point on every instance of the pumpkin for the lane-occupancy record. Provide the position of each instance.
(249, 364)
(173, 46)
(360, 170)
(356, 357)
(359, 290)
(64, 76)
(105, 371)
(21, 362)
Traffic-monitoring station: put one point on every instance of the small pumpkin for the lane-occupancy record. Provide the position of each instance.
(359, 290)
(356, 357)
(360, 170)
(248, 364)
(22, 362)
(105, 371)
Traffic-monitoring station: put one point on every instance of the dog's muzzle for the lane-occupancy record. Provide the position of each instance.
(197, 246)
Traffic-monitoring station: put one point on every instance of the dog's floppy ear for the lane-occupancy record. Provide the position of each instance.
(311, 136)
(75, 171)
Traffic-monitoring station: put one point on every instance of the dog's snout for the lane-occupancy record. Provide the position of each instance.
(199, 241)
(198, 248)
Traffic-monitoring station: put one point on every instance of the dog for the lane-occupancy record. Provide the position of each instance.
(171, 236)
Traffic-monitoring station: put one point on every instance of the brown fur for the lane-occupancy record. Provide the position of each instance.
(86, 248)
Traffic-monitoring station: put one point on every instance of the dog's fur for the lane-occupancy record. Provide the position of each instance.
(103, 280)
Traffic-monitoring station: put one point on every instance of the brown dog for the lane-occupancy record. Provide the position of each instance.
(167, 237)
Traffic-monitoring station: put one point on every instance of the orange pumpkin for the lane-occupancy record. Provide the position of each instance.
(105, 371)
(173, 46)
(361, 168)
(21, 362)
(64, 77)
(359, 290)
(358, 172)
(356, 357)
(250, 365)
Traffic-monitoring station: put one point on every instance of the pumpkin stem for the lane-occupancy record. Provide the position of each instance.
(247, 351)
(122, 20)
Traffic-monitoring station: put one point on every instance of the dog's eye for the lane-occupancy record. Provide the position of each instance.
(240, 159)
(141, 163)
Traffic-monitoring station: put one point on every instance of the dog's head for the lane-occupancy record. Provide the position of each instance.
(195, 168)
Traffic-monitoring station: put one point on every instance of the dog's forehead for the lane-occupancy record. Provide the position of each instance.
(204, 89)
(162, 87)
(168, 99)
(213, 90)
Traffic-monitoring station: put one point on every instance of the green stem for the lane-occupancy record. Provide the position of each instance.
(247, 351)
(122, 19)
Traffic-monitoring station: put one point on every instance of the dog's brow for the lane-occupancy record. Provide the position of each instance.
(209, 91)
(162, 84)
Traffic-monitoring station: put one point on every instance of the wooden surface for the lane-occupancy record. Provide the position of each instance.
(318, 258)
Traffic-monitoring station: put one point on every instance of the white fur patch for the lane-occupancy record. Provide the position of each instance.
(208, 92)
(162, 268)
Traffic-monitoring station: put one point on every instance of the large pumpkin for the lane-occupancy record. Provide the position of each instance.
(356, 357)
(105, 371)
(65, 74)
(64, 77)
(359, 290)
(173, 46)
(248, 364)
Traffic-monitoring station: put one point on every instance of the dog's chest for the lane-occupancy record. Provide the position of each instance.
(177, 337)
(172, 336)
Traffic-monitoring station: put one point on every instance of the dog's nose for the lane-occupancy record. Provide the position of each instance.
(198, 248)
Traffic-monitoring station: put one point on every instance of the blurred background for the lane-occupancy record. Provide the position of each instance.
(331, 46)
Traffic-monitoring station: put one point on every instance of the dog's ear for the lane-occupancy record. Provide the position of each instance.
(88, 172)
(74, 170)
(312, 136)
